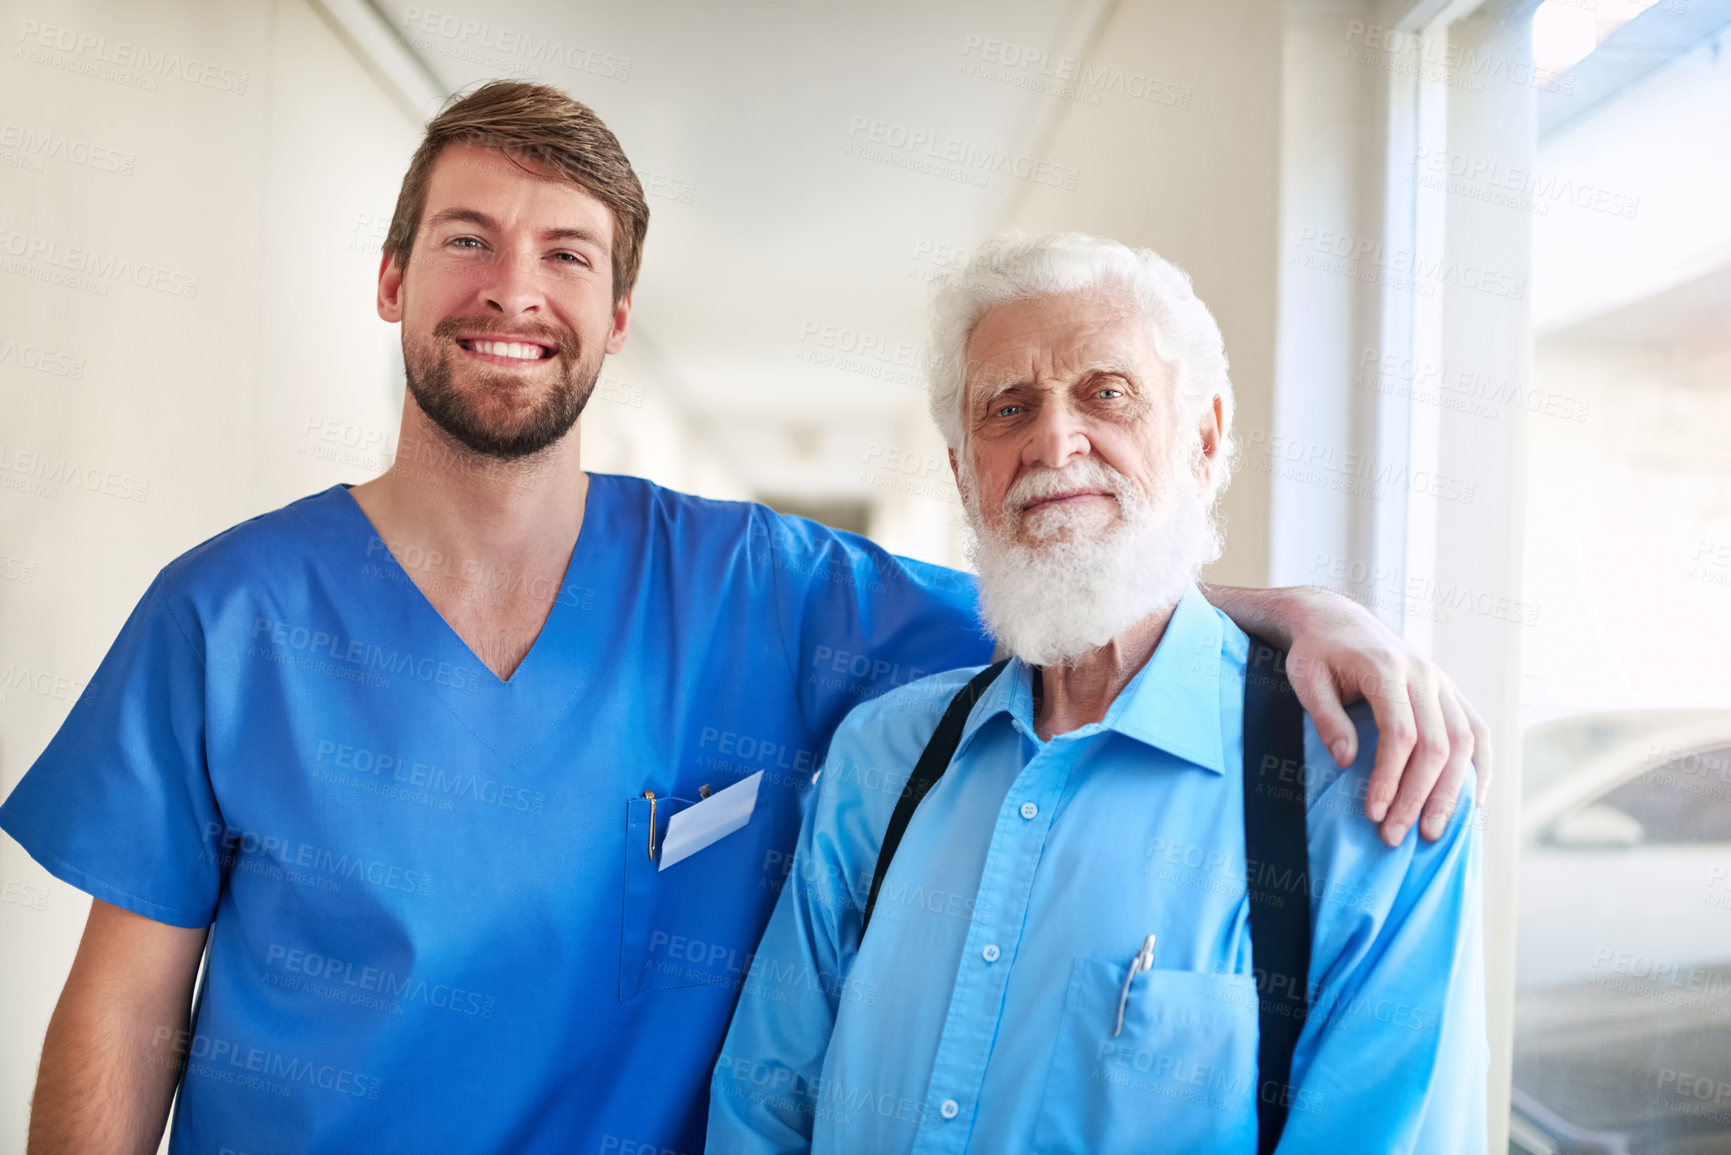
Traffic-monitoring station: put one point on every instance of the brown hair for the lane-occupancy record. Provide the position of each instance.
(542, 124)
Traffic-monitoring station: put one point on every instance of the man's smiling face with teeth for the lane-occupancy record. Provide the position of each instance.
(507, 303)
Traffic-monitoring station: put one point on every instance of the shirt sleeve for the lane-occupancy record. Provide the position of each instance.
(859, 621)
(1394, 1055)
(120, 803)
(767, 1090)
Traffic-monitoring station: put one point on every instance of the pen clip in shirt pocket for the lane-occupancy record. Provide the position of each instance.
(687, 926)
(1183, 1067)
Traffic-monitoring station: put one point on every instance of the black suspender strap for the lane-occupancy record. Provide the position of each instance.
(1276, 848)
(931, 766)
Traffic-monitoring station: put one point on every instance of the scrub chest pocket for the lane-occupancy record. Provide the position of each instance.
(695, 923)
(1182, 1069)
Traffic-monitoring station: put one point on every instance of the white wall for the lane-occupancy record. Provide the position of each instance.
(1331, 162)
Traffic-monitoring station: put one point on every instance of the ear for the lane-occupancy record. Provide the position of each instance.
(1211, 430)
(621, 321)
(956, 472)
(390, 301)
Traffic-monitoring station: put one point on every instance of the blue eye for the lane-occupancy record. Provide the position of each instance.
(1007, 410)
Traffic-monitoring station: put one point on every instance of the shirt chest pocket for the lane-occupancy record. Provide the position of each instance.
(1180, 1076)
(697, 922)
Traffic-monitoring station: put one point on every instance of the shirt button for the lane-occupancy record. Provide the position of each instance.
(990, 954)
(949, 1109)
(1029, 810)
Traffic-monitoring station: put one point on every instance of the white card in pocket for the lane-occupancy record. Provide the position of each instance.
(709, 821)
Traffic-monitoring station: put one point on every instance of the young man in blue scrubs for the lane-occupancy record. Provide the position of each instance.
(404, 751)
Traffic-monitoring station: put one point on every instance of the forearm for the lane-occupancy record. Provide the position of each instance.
(117, 1037)
(1270, 614)
(1338, 651)
(106, 1080)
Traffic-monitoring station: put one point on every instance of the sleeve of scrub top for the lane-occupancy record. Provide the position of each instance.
(859, 621)
(1394, 1056)
(119, 805)
(767, 1087)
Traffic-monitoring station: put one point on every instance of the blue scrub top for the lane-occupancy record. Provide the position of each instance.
(437, 924)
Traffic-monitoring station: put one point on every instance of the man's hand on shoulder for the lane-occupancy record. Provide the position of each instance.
(1338, 652)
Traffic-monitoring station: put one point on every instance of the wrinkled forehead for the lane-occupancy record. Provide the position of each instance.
(1060, 336)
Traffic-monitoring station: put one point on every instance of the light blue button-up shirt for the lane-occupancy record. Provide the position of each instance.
(979, 1014)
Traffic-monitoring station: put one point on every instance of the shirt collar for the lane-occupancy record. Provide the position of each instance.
(1173, 702)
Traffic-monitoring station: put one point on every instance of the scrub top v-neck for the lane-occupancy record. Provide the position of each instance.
(437, 923)
(506, 715)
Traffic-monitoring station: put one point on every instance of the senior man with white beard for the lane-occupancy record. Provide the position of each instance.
(1081, 867)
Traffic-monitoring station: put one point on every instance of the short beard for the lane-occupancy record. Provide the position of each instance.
(427, 369)
(1056, 602)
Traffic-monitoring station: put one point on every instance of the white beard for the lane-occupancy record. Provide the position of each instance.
(1055, 602)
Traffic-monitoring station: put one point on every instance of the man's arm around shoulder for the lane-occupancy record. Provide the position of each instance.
(117, 1037)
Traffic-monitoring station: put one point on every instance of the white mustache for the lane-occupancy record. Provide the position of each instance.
(1084, 474)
